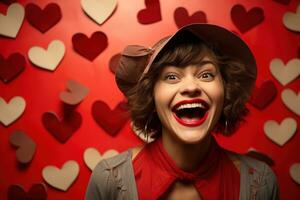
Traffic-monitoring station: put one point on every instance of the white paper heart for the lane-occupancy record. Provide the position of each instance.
(99, 10)
(280, 133)
(291, 100)
(292, 20)
(92, 156)
(295, 172)
(61, 178)
(50, 58)
(10, 112)
(285, 74)
(10, 23)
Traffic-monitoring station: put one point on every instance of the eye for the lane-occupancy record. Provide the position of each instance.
(171, 77)
(207, 76)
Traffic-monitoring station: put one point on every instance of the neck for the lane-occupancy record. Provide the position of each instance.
(186, 156)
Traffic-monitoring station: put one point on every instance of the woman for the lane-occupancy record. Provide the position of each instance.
(179, 92)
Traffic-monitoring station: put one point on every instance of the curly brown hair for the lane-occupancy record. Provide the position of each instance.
(238, 82)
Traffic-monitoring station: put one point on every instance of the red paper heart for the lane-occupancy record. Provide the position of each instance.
(151, 13)
(244, 20)
(36, 192)
(284, 2)
(90, 48)
(110, 120)
(8, 2)
(11, 67)
(114, 62)
(264, 95)
(44, 19)
(182, 17)
(62, 130)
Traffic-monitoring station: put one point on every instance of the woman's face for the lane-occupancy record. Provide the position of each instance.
(189, 100)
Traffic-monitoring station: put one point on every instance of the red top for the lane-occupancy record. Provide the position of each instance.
(216, 179)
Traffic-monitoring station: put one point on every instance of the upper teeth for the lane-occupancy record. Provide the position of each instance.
(190, 105)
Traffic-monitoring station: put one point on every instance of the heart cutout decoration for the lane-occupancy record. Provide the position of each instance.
(280, 133)
(262, 96)
(47, 59)
(291, 100)
(254, 153)
(182, 17)
(92, 156)
(11, 23)
(61, 178)
(11, 67)
(10, 112)
(114, 62)
(151, 13)
(292, 20)
(36, 192)
(75, 94)
(99, 10)
(295, 172)
(285, 74)
(44, 19)
(63, 129)
(91, 47)
(110, 120)
(26, 146)
(244, 20)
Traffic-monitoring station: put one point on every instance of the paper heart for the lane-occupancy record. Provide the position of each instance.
(182, 17)
(44, 19)
(8, 2)
(36, 192)
(280, 133)
(47, 59)
(11, 23)
(10, 112)
(99, 10)
(284, 2)
(291, 100)
(92, 156)
(292, 20)
(114, 62)
(61, 178)
(254, 153)
(264, 95)
(151, 13)
(285, 74)
(110, 120)
(75, 94)
(295, 172)
(63, 129)
(244, 20)
(91, 47)
(26, 146)
(11, 67)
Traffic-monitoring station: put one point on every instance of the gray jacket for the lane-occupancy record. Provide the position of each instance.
(113, 178)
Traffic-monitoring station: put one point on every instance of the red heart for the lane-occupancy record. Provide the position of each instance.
(62, 130)
(151, 13)
(11, 67)
(90, 48)
(43, 20)
(264, 95)
(110, 120)
(36, 192)
(182, 17)
(8, 2)
(114, 62)
(244, 20)
(284, 2)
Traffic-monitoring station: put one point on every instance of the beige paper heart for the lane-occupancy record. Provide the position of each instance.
(10, 112)
(50, 58)
(75, 94)
(295, 172)
(99, 10)
(280, 133)
(292, 20)
(285, 74)
(61, 178)
(291, 100)
(11, 23)
(92, 156)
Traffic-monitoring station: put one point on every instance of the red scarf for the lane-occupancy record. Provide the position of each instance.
(216, 179)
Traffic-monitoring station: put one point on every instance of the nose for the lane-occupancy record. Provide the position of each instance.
(190, 87)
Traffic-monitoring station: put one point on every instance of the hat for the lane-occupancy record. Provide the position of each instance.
(137, 60)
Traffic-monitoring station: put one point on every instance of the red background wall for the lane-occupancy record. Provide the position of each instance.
(41, 88)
